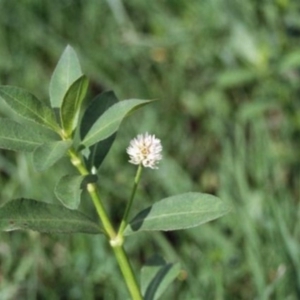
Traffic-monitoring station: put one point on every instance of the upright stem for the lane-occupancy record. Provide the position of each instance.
(116, 242)
(127, 273)
(92, 189)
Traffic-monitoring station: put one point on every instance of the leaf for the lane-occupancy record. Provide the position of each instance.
(156, 276)
(99, 152)
(66, 72)
(71, 104)
(68, 189)
(17, 137)
(28, 106)
(44, 217)
(109, 122)
(178, 212)
(97, 107)
(48, 154)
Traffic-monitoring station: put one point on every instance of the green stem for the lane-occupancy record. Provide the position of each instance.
(92, 189)
(129, 204)
(127, 272)
(116, 242)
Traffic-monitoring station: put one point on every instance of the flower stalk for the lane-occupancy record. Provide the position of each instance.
(129, 204)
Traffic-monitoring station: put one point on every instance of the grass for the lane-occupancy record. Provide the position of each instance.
(227, 76)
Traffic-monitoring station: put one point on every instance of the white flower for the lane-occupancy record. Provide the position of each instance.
(146, 150)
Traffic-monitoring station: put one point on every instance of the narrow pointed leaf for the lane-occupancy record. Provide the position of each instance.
(99, 152)
(66, 72)
(48, 154)
(17, 137)
(156, 276)
(43, 217)
(178, 212)
(68, 189)
(110, 121)
(28, 106)
(97, 107)
(71, 104)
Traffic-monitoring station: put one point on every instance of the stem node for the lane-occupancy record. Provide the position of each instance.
(117, 241)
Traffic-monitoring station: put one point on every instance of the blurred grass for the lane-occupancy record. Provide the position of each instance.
(227, 76)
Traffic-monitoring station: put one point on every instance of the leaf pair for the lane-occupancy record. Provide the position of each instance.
(68, 87)
(173, 213)
(67, 90)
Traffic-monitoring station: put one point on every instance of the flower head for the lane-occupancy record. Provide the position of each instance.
(145, 149)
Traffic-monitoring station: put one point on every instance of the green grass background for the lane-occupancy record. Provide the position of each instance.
(227, 74)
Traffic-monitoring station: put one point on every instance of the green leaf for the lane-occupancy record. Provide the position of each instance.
(178, 212)
(28, 106)
(109, 122)
(97, 107)
(44, 217)
(68, 189)
(66, 72)
(99, 151)
(48, 154)
(71, 104)
(17, 137)
(156, 276)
